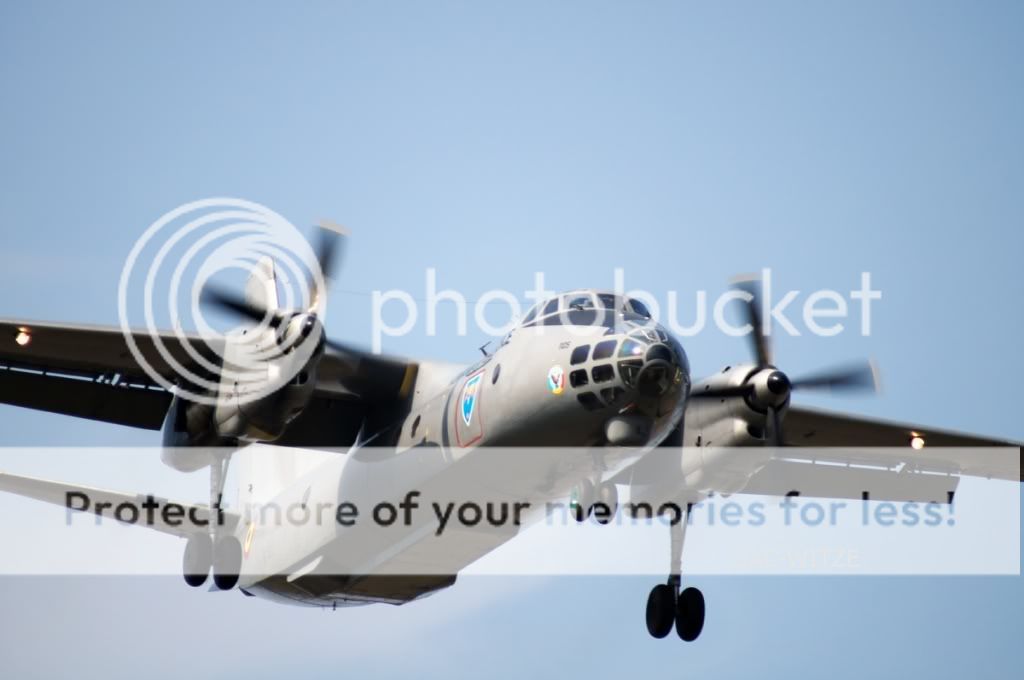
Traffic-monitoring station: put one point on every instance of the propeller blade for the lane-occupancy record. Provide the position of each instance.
(239, 306)
(852, 378)
(759, 341)
(773, 427)
(328, 247)
(353, 355)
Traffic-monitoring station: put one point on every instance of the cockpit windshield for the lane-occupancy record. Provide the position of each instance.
(565, 309)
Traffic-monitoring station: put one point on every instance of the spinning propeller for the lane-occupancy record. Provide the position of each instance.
(769, 388)
(327, 251)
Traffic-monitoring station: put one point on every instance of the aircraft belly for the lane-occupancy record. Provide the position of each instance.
(342, 591)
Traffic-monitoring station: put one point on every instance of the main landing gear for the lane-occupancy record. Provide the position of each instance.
(667, 606)
(206, 551)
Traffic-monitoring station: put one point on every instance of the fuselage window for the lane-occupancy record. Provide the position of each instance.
(578, 378)
(603, 350)
(612, 394)
(629, 370)
(603, 373)
(631, 348)
(579, 354)
(497, 372)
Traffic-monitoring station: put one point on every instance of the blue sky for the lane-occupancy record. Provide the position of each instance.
(684, 142)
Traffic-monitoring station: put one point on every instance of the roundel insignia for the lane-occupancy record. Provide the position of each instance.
(556, 379)
(248, 539)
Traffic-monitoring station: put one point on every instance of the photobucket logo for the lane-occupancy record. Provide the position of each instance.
(195, 242)
(823, 312)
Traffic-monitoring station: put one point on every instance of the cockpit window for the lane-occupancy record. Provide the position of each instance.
(639, 308)
(587, 308)
(579, 302)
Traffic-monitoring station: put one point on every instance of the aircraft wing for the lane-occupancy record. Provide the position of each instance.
(88, 371)
(164, 521)
(943, 452)
(833, 455)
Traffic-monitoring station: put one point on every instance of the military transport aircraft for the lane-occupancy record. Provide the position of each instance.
(587, 369)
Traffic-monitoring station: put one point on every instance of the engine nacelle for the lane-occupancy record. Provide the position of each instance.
(187, 432)
(245, 413)
(266, 418)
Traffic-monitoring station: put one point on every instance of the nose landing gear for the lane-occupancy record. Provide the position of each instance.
(666, 605)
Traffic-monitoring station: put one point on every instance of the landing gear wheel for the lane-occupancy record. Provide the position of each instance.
(661, 606)
(607, 503)
(197, 560)
(581, 500)
(690, 614)
(227, 562)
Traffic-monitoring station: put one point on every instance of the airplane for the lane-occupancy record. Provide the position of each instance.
(588, 370)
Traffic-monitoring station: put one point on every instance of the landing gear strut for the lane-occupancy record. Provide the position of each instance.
(666, 605)
(227, 550)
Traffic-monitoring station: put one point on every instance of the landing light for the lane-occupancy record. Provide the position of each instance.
(916, 441)
(23, 337)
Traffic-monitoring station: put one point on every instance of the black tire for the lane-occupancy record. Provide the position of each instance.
(581, 501)
(227, 562)
(661, 606)
(690, 615)
(607, 503)
(197, 559)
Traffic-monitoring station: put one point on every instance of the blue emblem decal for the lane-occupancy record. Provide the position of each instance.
(469, 394)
